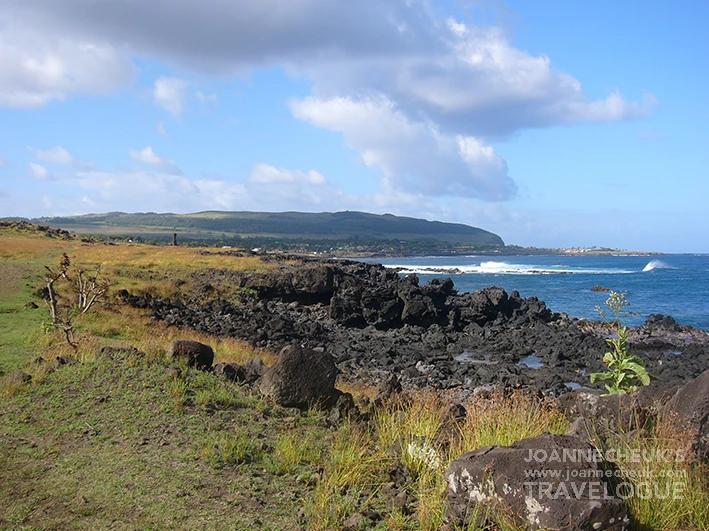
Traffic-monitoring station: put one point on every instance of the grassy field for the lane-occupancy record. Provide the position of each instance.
(122, 442)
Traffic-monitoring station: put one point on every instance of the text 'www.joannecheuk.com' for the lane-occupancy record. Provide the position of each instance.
(555, 481)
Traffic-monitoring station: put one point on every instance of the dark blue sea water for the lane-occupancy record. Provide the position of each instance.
(676, 285)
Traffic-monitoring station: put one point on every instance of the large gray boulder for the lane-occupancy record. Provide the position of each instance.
(690, 405)
(547, 482)
(609, 414)
(194, 353)
(300, 377)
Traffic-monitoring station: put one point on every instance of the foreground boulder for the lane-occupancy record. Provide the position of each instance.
(547, 482)
(194, 353)
(299, 378)
(691, 405)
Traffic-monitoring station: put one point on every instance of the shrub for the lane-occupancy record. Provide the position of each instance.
(625, 371)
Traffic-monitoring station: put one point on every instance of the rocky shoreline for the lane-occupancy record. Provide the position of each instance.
(375, 323)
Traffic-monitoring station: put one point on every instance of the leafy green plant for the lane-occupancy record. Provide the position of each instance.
(625, 371)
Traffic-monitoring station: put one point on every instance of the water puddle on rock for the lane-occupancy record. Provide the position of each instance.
(476, 357)
(531, 361)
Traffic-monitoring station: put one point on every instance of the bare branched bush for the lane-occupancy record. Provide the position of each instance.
(84, 290)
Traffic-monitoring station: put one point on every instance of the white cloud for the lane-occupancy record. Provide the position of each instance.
(59, 156)
(474, 83)
(38, 171)
(38, 66)
(265, 188)
(170, 94)
(136, 184)
(466, 79)
(148, 156)
(413, 156)
(267, 174)
(161, 128)
(4, 164)
(420, 97)
(207, 99)
(55, 155)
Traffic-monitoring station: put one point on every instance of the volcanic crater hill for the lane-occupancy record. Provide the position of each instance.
(284, 229)
(376, 323)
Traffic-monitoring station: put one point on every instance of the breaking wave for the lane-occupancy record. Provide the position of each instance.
(501, 268)
(656, 264)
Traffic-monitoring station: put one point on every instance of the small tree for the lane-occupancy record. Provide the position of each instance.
(88, 288)
(625, 371)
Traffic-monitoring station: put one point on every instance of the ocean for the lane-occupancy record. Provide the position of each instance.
(676, 285)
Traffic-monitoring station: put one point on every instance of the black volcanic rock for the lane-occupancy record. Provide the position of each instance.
(194, 353)
(559, 496)
(376, 323)
(299, 378)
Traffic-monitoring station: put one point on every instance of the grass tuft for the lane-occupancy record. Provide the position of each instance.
(230, 448)
(294, 450)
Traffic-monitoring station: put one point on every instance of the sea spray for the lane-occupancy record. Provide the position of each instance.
(656, 264)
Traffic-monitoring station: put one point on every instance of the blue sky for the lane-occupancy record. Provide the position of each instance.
(550, 123)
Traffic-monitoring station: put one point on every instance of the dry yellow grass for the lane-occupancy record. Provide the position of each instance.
(505, 419)
(19, 246)
(158, 270)
(357, 389)
(165, 258)
(120, 325)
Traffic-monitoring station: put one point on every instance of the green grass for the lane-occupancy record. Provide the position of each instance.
(415, 433)
(22, 260)
(100, 442)
(296, 449)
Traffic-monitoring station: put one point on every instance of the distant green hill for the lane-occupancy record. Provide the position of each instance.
(215, 226)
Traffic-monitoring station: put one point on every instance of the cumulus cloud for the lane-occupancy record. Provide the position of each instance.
(265, 188)
(39, 65)
(55, 155)
(468, 79)
(419, 96)
(38, 171)
(58, 156)
(413, 156)
(267, 174)
(149, 157)
(225, 37)
(475, 83)
(170, 94)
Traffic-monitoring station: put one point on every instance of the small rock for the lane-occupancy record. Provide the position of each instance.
(354, 522)
(118, 352)
(454, 413)
(173, 373)
(80, 500)
(18, 377)
(60, 361)
(387, 388)
(253, 370)
(230, 371)
(194, 353)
